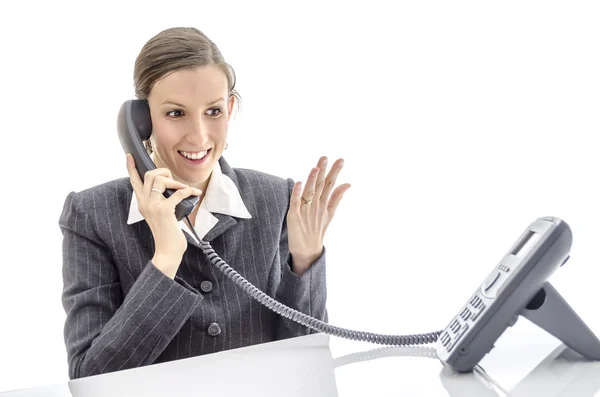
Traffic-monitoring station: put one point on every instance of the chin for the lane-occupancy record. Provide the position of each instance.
(198, 178)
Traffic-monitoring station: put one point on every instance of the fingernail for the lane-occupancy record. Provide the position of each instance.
(199, 191)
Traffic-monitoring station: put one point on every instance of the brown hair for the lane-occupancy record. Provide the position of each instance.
(174, 49)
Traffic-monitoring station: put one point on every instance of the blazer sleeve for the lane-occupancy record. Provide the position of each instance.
(105, 331)
(306, 293)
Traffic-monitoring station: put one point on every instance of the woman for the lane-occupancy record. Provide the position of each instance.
(137, 288)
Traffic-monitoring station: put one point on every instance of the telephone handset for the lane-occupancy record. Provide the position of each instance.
(517, 286)
(134, 126)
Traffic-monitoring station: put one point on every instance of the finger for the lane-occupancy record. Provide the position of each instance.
(331, 179)
(150, 177)
(322, 165)
(182, 194)
(161, 183)
(336, 197)
(309, 188)
(134, 176)
(295, 199)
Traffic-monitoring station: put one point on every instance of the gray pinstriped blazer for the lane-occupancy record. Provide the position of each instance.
(122, 312)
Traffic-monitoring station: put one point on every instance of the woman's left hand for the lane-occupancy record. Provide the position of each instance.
(310, 213)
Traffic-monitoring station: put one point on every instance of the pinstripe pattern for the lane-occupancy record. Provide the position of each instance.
(122, 312)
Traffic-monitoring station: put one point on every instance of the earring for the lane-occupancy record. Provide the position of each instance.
(226, 145)
(148, 146)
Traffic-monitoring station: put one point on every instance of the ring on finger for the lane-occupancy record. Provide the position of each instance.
(305, 201)
(157, 190)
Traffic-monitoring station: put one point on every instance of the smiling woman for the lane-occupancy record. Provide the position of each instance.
(137, 288)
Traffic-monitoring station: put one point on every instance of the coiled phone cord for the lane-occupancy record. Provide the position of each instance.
(301, 318)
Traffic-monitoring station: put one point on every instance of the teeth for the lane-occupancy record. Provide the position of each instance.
(194, 156)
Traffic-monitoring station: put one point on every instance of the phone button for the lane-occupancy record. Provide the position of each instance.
(488, 284)
(479, 310)
(464, 329)
(491, 281)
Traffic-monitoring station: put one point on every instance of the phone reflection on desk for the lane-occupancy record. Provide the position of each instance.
(562, 373)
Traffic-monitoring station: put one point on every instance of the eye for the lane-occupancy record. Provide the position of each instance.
(175, 113)
(214, 112)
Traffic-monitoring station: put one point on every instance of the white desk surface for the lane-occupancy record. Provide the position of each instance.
(521, 364)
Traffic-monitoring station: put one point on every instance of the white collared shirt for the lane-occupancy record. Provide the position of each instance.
(221, 196)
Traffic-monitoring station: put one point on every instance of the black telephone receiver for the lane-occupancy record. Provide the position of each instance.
(134, 125)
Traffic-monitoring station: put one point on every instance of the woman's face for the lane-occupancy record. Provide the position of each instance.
(190, 112)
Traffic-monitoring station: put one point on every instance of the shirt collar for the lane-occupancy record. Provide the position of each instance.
(222, 196)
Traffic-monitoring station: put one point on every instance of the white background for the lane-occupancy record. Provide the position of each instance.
(460, 122)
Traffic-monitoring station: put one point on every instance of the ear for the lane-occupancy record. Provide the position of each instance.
(230, 106)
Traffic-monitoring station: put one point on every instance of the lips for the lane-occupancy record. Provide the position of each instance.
(194, 157)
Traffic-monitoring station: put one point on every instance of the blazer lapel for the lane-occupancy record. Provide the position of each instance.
(225, 222)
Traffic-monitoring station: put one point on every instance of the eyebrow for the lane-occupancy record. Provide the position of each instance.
(169, 102)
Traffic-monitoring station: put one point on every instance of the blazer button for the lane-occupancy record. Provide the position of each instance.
(214, 329)
(206, 286)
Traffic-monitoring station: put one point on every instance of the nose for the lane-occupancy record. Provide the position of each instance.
(198, 132)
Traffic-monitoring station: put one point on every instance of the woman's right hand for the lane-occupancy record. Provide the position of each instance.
(159, 212)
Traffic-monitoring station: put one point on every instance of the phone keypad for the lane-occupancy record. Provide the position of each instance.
(476, 300)
(463, 329)
(477, 306)
(476, 315)
(451, 336)
(445, 339)
(460, 325)
(465, 314)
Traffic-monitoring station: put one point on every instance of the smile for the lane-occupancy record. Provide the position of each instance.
(194, 157)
